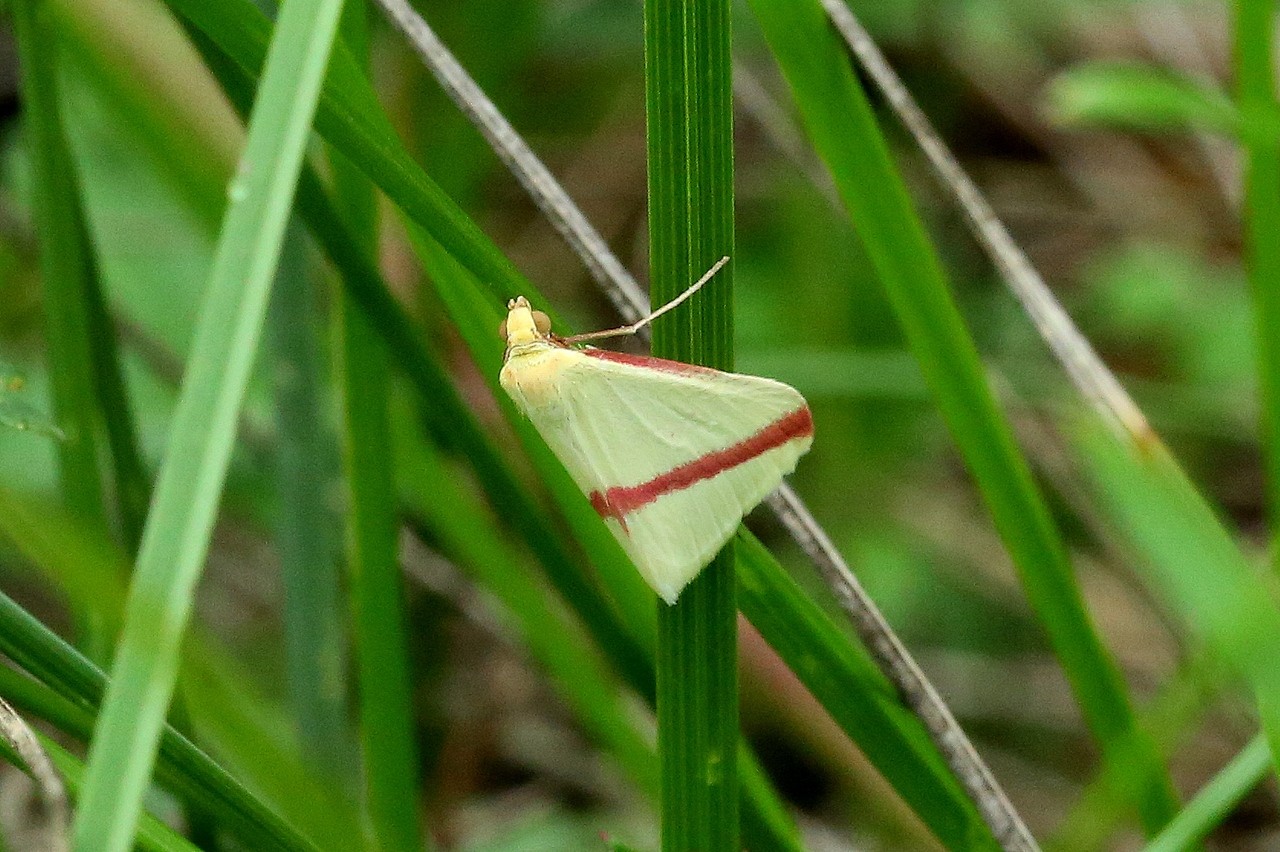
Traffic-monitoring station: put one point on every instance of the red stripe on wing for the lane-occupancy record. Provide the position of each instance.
(621, 500)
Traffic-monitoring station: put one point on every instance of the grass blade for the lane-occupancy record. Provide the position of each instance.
(313, 618)
(1193, 560)
(1254, 37)
(689, 112)
(65, 268)
(177, 532)
(1139, 98)
(1215, 801)
(131, 480)
(382, 640)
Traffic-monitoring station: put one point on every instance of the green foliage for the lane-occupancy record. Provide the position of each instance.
(521, 658)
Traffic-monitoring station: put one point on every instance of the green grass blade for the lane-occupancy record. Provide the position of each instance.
(78, 278)
(177, 533)
(689, 113)
(842, 126)
(1254, 37)
(113, 46)
(1192, 561)
(1215, 801)
(697, 713)
(390, 753)
(314, 618)
(65, 269)
(131, 481)
(765, 817)
(34, 697)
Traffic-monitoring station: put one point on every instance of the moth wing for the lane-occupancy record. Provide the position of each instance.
(671, 455)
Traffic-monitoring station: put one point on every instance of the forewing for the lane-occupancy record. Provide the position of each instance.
(672, 456)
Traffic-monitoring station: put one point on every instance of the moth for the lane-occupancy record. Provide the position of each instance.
(670, 455)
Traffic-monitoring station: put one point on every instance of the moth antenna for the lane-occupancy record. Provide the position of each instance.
(641, 323)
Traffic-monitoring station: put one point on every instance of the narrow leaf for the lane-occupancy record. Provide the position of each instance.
(177, 533)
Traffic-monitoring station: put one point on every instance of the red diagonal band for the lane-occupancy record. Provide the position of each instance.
(621, 500)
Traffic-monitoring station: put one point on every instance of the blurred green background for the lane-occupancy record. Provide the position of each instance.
(1124, 196)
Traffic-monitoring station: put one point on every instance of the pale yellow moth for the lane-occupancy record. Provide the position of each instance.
(671, 455)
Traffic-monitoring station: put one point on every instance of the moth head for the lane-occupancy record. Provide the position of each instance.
(523, 324)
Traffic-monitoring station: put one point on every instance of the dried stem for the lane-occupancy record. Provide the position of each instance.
(898, 665)
(53, 795)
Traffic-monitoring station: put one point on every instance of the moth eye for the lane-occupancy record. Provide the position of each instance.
(542, 322)
(502, 329)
